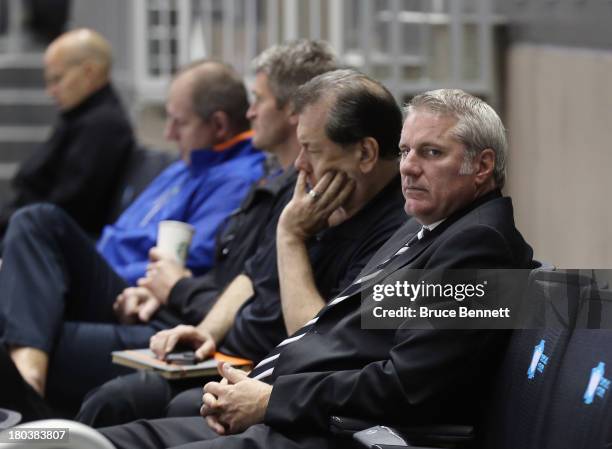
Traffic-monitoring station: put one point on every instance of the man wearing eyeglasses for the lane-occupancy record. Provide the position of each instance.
(75, 168)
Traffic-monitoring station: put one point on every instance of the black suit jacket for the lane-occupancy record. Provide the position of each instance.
(77, 168)
(412, 376)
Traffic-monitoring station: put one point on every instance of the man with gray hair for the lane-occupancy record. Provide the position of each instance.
(449, 149)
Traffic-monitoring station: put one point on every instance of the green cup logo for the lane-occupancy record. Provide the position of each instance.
(181, 251)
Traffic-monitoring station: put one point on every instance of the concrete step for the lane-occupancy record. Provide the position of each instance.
(18, 142)
(30, 114)
(5, 190)
(17, 151)
(8, 170)
(25, 113)
(24, 59)
(22, 71)
(25, 96)
(22, 78)
(24, 133)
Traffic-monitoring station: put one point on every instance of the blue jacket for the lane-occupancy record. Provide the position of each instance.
(203, 194)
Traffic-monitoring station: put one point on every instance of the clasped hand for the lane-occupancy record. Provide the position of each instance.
(235, 403)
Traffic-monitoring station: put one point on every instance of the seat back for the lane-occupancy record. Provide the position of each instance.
(553, 387)
(514, 416)
(552, 298)
(580, 412)
(527, 377)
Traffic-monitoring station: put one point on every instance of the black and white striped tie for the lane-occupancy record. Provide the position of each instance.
(264, 369)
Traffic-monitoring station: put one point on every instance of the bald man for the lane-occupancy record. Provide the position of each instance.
(76, 167)
(57, 288)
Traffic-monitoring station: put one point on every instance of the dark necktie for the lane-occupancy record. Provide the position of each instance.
(264, 369)
(404, 248)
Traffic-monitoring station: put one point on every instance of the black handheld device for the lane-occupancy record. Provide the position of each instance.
(181, 358)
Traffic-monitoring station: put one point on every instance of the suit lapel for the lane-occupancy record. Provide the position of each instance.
(387, 268)
(410, 254)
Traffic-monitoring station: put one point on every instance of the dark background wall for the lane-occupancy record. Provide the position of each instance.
(570, 23)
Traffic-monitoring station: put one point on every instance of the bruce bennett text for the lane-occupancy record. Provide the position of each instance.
(426, 312)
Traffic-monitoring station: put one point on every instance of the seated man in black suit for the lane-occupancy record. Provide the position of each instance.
(452, 162)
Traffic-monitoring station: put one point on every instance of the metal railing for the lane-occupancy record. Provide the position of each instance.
(11, 26)
(409, 45)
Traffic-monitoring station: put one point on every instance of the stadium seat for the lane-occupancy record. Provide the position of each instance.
(553, 387)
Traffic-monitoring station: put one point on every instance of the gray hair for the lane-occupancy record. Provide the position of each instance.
(218, 87)
(290, 65)
(360, 107)
(478, 125)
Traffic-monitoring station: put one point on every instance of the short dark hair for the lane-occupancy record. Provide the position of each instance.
(290, 65)
(217, 87)
(362, 107)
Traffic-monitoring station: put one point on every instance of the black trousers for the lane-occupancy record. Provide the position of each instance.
(194, 433)
(141, 395)
(56, 294)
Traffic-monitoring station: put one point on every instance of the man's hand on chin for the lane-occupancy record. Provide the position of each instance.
(235, 403)
(309, 212)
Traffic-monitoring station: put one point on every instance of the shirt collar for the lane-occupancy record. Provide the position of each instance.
(233, 141)
(429, 227)
(448, 221)
(92, 101)
(205, 157)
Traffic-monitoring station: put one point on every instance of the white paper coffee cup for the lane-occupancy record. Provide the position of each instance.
(174, 238)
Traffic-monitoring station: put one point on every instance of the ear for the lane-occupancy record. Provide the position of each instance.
(293, 119)
(485, 165)
(367, 152)
(291, 115)
(89, 69)
(221, 122)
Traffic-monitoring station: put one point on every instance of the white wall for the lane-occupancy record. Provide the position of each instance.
(559, 117)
